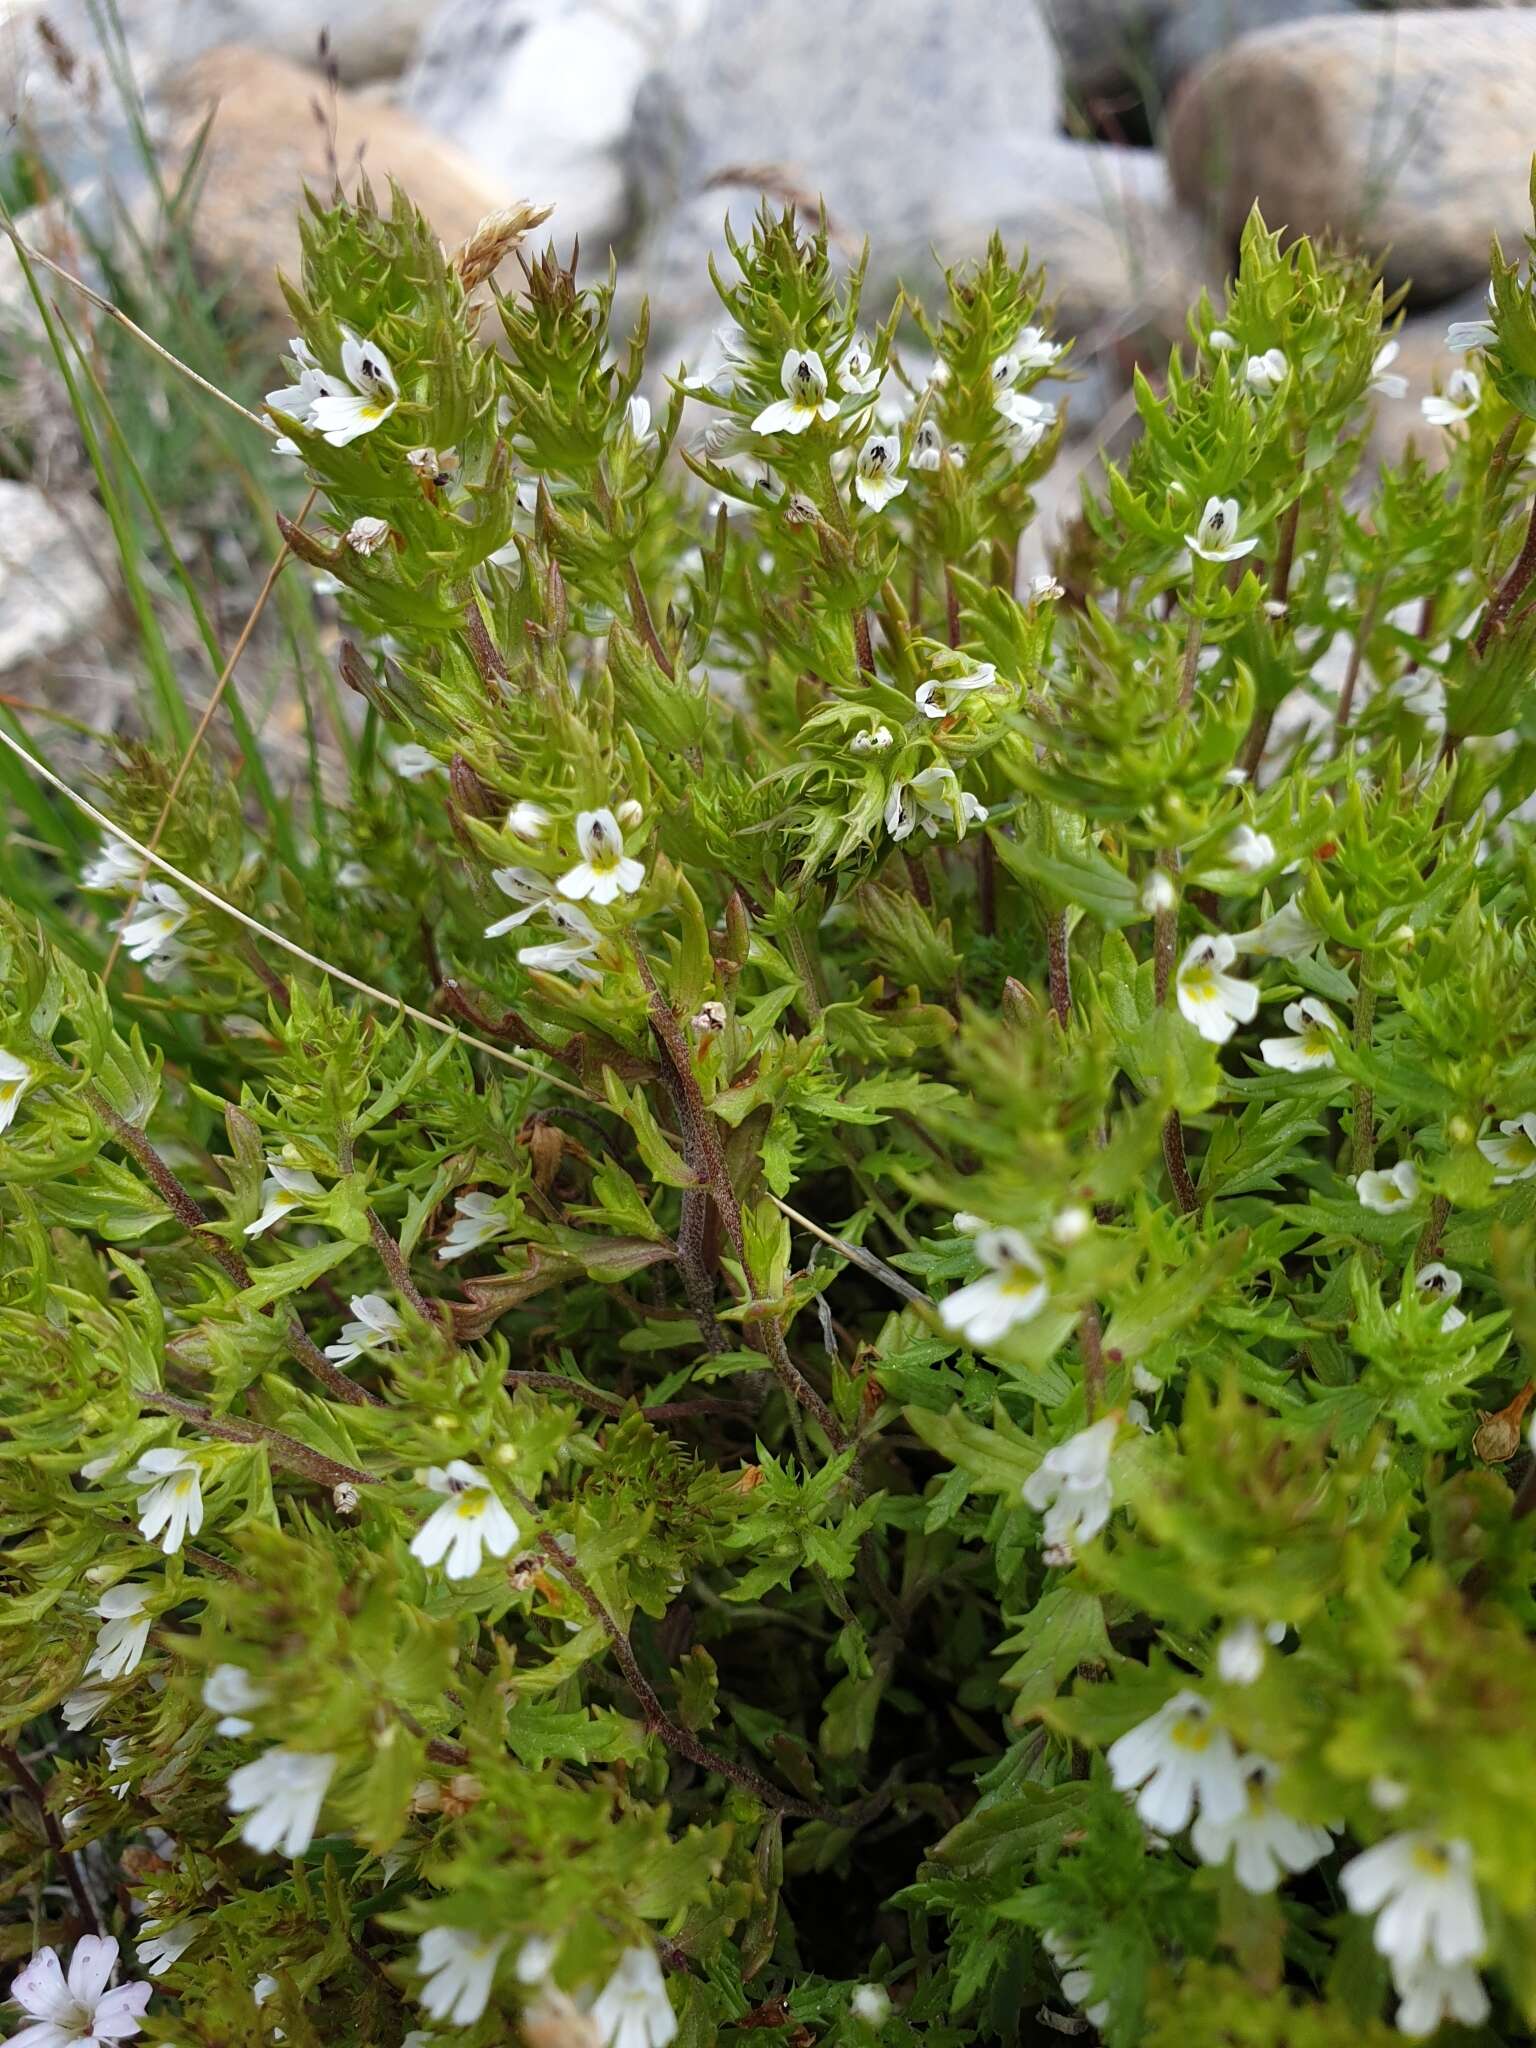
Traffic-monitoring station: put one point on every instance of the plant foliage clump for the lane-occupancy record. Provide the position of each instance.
(808, 1319)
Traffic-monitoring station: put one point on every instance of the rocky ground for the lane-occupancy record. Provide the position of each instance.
(1122, 140)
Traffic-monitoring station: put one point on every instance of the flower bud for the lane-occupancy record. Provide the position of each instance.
(629, 814)
(1072, 1225)
(344, 1497)
(1020, 1010)
(1158, 894)
(367, 536)
(738, 929)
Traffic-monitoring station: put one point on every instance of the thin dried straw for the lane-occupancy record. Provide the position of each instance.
(287, 945)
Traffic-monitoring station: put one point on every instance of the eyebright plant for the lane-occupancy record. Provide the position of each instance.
(815, 1323)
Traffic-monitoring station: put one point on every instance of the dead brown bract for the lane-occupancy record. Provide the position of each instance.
(483, 253)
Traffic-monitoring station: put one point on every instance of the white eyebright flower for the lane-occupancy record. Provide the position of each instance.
(1387, 1192)
(566, 956)
(1442, 1283)
(875, 741)
(459, 1968)
(1249, 850)
(1461, 336)
(535, 1959)
(857, 372)
(1214, 1001)
(160, 1945)
(123, 1634)
(932, 698)
(344, 416)
(604, 872)
(1221, 340)
(1263, 1842)
(281, 1794)
(1514, 1151)
(1029, 420)
(172, 1508)
(1010, 1292)
(476, 1221)
(804, 378)
(632, 2010)
(927, 447)
(116, 867)
(1240, 1653)
(1284, 936)
(1077, 1985)
(471, 1518)
(1032, 350)
(15, 1079)
(82, 1706)
(232, 1693)
(1177, 1760)
(285, 1189)
(1385, 381)
(149, 934)
(931, 800)
(723, 357)
(1424, 1896)
(527, 820)
(1213, 538)
(1460, 399)
(1315, 1030)
(875, 479)
(1429, 1994)
(366, 536)
(1070, 1486)
(871, 2002)
(77, 2011)
(377, 1322)
(413, 762)
(526, 887)
(1266, 373)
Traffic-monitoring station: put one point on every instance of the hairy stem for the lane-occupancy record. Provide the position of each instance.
(36, 1796)
(189, 1212)
(284, 1450)
(701, 1149)
(657, 1719)
(1059, 966)
(398, 1268)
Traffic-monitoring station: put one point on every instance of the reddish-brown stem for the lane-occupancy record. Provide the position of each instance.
(1499, 607)
(1285, 554)
(1509, 590)
(1432, 1237)
(863, 646)
(701, 1149)
(986, 886)
(398, 1268)
(612, 1406)
(189, 1212)
(283, 1450)
(657, 1719)
(1059, 966)
(1346, 703)
(1176, 1163)
(54, 1834)
(1090, 1339)
(645, 625)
